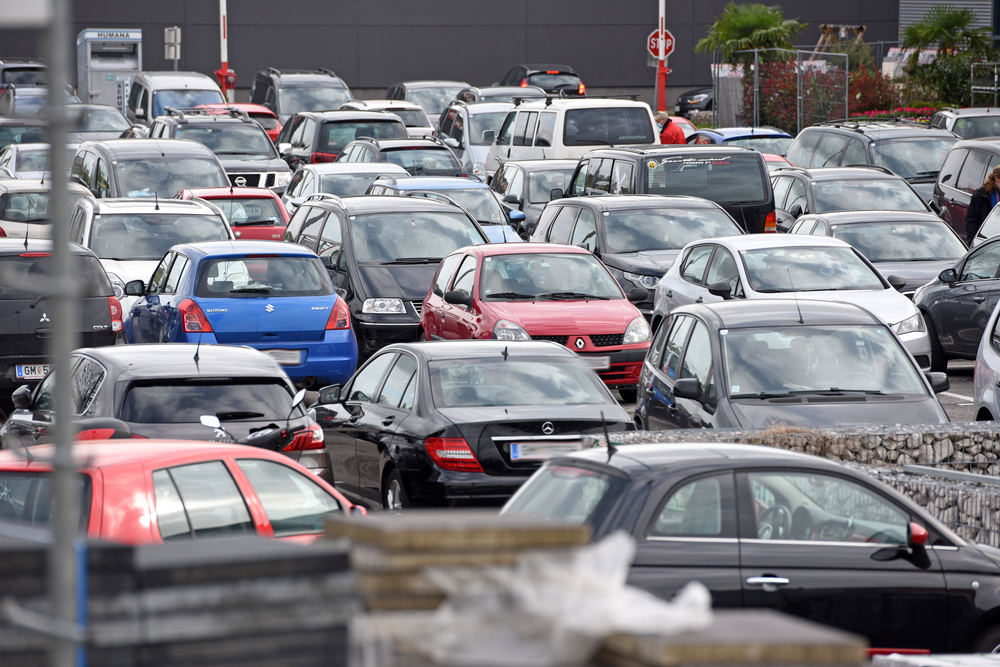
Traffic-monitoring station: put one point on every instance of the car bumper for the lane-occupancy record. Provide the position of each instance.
(624, 365)
(919, 345)
(462, 489)
(376, 332)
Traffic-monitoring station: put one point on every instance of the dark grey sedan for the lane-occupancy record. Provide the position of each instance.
(754, 364)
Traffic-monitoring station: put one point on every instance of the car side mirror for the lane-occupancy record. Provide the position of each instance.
(489, 136)
(939, 381)
(555, 193)
(298, 201)
(796, 211)
(721, 289)
(637, 294)
(284, 147)
(21, 397)
(516, 216)
(897, 282)
(948, 276)
(689, 388)
(331, 260)
(140, 113)
(211, 421)
(95, 192)
(135, 288)
(329, 395)
(916, 535)
(512, 199)
(136, 132)
(451, 142)
(934, 207)
(458, 297)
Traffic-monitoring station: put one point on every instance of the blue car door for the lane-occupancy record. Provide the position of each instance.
(139, 322)
(165, 317)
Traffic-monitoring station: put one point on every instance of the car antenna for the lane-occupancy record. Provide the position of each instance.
(794, 296)
(504, 353)
(159, 148)
(45, 167)
(27, 228)
(196, 350)
(156, 195)
(607, 436)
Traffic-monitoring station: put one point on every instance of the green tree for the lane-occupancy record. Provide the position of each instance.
(749, 26)
(949, 29)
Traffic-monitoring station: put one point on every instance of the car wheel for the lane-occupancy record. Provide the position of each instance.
(987, 641)
(939, 362)
(394, 495)
(628, 394)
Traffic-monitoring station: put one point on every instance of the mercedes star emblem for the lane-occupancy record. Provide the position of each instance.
(579, 343)
(548, 428)
(269, 308)
(240, 181)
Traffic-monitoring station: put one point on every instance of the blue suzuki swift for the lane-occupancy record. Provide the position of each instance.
(275, 297)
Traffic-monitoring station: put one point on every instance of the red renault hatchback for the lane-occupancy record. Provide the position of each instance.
(253, 213)
(540, 291)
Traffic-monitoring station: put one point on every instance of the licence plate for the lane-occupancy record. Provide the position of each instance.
(677, 108)
(32, 371)
(539, 451)
(596, 363)
(285, 357)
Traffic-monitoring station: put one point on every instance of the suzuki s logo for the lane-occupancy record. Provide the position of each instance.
(240, 181)
(269, 308)
(579, 343)
(548, 428)
(45, 318)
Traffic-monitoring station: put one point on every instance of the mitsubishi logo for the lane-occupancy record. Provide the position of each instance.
(548, 428)
(269, 308)
(579, 343)
(240, 181)
(45, 318)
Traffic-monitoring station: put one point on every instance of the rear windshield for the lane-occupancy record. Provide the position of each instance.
(254, 276)
(600, 127)
(344, 185)
(411, 238)
(773, 145)
(336, 135)
(31, 206)
(230, 138)
(266, 121)
(151, 235)
(566, 493)
(183, 99)
(434, 100)
(294, 100)
(25, 76)
(411, 117)
(664, 229)
(185, 401)
(977, 126)
(98, 120)
(720, 178)
(558, 81)
(424, 161)
(19, 274)
(251, 211)
(166, 177)
(515, 383)
(21, 134)
(917, 157)
(27, 497)
(866, 195)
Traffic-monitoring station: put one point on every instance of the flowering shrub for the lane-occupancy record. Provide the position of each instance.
(822, 99)
(922, 114)
(871, 90)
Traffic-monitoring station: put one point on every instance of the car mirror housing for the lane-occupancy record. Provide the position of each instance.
(511, 199)
(329, 394)
(939, 381)
(948, 276)
(897, 282)
(555, 193)
(796, 211)
(135, 288)
(916, 535)
(284, 148)
(516, 216)
(637, 293)
(689, 388)
(451, 142)
(458, 297)
(721, 289)
(140, 113)
(489, 136)
(21, 397)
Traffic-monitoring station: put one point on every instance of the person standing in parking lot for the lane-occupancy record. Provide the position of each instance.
(983, 201)
(669, 132)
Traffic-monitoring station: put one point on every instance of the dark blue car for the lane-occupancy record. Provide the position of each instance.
(275, 297)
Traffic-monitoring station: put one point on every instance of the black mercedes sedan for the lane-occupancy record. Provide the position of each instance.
(764, 527)
(459, 423)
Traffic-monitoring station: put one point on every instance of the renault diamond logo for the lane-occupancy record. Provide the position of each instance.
(269, 308)
(548, 428)
(579, 343)
(240, 181)
(45, 318)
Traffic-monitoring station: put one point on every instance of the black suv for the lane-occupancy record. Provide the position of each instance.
(382, 253)
(553, 79)
(735, 178)
(320, 136)
(239, 142)
(419, 157)
(289, 92)
(911, 150)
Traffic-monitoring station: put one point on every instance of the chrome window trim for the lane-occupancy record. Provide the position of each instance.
(660, 538)
(825, 543)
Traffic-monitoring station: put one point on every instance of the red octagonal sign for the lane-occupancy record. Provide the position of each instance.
(652, 44)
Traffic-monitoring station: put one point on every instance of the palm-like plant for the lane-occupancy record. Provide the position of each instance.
(749, 26)
(950, 29)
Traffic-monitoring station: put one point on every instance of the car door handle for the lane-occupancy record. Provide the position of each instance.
(388, 420)
(770, 584)
(979, 299)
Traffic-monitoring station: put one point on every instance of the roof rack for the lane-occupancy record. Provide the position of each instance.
(856, 123)
(876, 167)
(433, 194)
(327, 71)
(325, 196)
(273, 70)
(172, 111)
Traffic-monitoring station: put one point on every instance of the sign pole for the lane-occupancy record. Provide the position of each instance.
(226, 76)
(661, 79)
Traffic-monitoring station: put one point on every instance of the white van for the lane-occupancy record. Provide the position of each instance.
(153, 92)
(569, 129)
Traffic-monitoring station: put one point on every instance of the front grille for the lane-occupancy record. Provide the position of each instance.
(418, 307)
(270, 181)
(562, 340)
(607, 340)
(252, 180)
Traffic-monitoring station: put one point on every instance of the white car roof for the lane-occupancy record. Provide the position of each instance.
(759, 241)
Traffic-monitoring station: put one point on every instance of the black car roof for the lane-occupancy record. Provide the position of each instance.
(763, 313)
(145, 148)
(177, 360)
(478, 349)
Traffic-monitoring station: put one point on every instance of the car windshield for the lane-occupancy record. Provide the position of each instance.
(481, 123)
(566, 493)
(230, 138)
(664, 229)
(294, 100)
(251, 211)
(555, 81)
(514, 383)
(479, 202)
(147, 236)
(31, 206)
(417, 237)
(168, 176)
(774, 145)
(608, 126)
(808, 269)
(723, 178)
(183, 99)
(883, 194)
(335, 135)
(424, 161)
(411, 117)
(542, 183)
(18, 275)
(184, 401)
(29, 497)
(902, 241)
(544, 276)
(343, 185)
(810, 359)
(98, 120)
(254, 276)
(974, 127)
(30, 105)
(916, 157)
(434, 100)
(13, 133)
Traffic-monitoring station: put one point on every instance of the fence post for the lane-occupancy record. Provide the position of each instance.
(847, 85)
(756, 87)
(798, 91)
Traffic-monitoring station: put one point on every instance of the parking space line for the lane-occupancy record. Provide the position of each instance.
(959, 396)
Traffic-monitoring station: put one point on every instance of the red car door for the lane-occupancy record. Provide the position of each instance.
(434, 308)
(458, 320)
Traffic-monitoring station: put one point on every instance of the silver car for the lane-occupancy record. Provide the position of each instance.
(986, 379)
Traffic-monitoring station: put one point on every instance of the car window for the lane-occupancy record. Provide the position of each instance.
(160, 274)
(174, 277)
(982, 265)
(585, 232)
(608, 126)
(546, 129)
(293, 503)
(803, 227)
(366, 381)
(703, 508)
(466, 276)
(801, 150)
(796, 196)
(87, 379)
(973, 171)
(101, 184)
(576, 187)
(952, 164)
(87, 170)
(675, 344)
(506, 130)
(781, 185)
(621, 178)
(723, 268)
(602, 176)
(854, 153)
(397, 382)
(656, 347)
(199, 500)
(562, 224)
(447, 121)
(524, 129)
(693, 268)
(810, 506)
(331, 238)
(500, 180)
(445, 272)
(698, 355)
(517, 185)
(829, 151)
(309, 236)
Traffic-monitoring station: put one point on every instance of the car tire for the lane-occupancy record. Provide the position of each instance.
(394, 494)
(939, 362)
(628, 394)
(986, 640)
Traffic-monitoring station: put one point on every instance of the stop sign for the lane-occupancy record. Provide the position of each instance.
(653, 43)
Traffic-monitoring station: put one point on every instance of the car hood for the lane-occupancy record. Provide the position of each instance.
(836, 411)
(648, 262)
(252, 164)
(404, 281)
(131, 269)
(557, 318)
(888, 305)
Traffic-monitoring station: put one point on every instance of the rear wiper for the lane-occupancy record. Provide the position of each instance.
(255, 222)
(510, 295)
(572, 295)
(237, 414)
(251, 290)
(413, 260)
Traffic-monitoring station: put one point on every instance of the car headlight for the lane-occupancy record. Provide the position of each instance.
(909, 325)
(282, 178)
(117, 285)
(479, 169)
(383, 306)
(507, 330)
(649, 282)
(637, 331)
(697, 98)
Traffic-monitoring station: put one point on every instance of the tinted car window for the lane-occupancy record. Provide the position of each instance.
(334, 136)
(185, 401)
(366, 381)
(389, 237)
(973, 171)
(562, 224)
(729, 178)
(87, 379)
(675, 345)
(829, 151)
(17, 274)
(293, 502)
(27, 497)
(514, 382)
(30, 206)
(211, 503)
(167, 177)
(398, 380)
(698, 355)
(801, 150)
(951, 166)
(667, 229)
(589, 127)
(150, 235)
(913, 158)
(698, 509)
(275, 277)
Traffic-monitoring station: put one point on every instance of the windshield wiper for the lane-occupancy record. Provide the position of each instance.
(251, 290)
(255, 222)
(509, 295)
(832, 391)
(923, 174)
(413, 260)
(572, 295)
(237, 414)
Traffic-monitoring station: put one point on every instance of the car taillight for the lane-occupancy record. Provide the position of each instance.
(310, 438)
(3, 234)
(323, 157)
(524, 83)
(452, 454)
(771, 223)
(340, 317)
(116, 313)
(193, 320)
(582, 90)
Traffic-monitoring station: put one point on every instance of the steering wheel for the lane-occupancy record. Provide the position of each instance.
(836, 530)
(774, 523)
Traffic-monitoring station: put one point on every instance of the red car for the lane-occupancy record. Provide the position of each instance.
(148, 491)
(540, 291)
(266, 118)
(253, 213)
